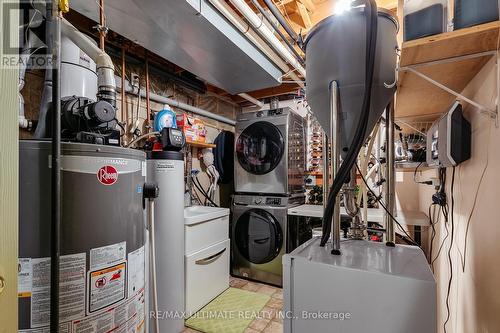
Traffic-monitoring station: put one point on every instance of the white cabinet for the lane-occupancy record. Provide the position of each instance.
(207, 275)
(207, 253)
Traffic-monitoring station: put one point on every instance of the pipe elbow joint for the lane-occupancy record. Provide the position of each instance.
(106, 79)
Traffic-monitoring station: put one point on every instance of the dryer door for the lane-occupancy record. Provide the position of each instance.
(258, 236)
(260, 148)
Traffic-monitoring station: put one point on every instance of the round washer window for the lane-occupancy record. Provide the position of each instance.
(260, 148)
(258, 236)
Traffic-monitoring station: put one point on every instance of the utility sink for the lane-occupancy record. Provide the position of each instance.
(199, 214)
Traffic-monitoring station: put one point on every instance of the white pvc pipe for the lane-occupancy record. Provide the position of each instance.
(105, 66)
(267, 34)
(251, 99)
(243, 27)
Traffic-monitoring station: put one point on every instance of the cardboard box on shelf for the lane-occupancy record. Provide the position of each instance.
(194, 129)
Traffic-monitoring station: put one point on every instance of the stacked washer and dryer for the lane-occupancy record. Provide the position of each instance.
(269, 179)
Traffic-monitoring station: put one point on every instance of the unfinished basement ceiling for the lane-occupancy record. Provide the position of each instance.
(194, 36)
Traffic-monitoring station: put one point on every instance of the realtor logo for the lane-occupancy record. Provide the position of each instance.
(24, 40)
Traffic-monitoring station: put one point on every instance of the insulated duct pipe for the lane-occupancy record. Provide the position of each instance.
(243, 27)
(268, 35)
(172, 102)
(105, 67)
(276, 12)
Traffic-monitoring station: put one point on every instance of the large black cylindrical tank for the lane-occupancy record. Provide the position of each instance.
(102, 238)
(336, 51)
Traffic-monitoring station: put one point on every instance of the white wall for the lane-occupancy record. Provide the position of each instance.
(475, 292)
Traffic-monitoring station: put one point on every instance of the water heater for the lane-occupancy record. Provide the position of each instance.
(102, 263)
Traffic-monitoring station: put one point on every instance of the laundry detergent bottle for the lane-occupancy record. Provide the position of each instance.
(165, 118)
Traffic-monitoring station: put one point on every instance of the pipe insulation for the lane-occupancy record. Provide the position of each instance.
(264, 47)
(267, 34)
(105, 67)
(172, 102)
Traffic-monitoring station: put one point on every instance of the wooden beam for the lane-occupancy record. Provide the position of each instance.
(284, 89)
(308, 4)
(387, 4)
(304, 15)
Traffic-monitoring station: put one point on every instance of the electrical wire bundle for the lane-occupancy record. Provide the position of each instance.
(407, 237)
(342, 175)
(450, 261)
(196, 182)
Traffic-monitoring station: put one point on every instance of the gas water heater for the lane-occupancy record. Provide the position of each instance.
(102, 272)
(102, 266)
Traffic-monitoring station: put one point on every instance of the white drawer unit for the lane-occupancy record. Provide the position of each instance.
(207, 275)
(205, 226)
(207, 253)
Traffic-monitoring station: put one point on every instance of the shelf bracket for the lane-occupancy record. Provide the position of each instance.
(492, 113)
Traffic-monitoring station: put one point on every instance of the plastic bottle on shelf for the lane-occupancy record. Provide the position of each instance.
(165, 118)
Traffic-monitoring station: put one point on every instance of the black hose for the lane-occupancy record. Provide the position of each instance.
(197, 184)
(276, 13)
(342, 175)
(277, 29)
(55, 230)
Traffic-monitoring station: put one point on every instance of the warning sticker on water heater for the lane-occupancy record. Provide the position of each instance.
(24, 276)
(106, 287)
(108, 255)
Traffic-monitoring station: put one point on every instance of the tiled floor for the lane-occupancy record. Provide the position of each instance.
(268, 322)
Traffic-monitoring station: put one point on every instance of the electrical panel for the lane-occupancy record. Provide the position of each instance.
(449, 139)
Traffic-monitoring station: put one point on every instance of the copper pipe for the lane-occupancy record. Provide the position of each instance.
(148, 107)
(122, 107)
(102, 23)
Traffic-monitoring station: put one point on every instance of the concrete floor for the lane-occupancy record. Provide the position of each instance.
(268, 322)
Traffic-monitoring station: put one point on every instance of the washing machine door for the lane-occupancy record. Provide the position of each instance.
(258, 236)
(260, 148)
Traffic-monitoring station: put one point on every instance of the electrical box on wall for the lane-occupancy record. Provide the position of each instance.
(449, 139)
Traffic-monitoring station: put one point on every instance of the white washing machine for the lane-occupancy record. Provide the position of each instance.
(270, 153)
(259, 236)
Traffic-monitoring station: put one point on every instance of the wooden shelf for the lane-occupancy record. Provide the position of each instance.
(416, 97)
(200, 144)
